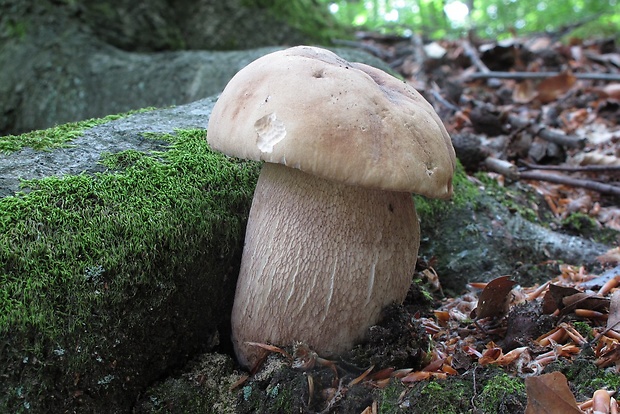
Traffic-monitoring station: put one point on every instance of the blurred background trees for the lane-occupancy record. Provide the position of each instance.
(485, 18)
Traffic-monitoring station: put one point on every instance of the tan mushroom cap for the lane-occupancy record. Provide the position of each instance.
(307, 108)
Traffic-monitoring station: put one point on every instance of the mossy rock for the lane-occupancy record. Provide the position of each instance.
(118, 257)
(120, 241)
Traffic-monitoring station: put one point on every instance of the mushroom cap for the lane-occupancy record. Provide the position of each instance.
(309, 109)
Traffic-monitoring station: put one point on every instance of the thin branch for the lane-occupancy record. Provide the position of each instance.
(570, 168)
(444, 102)
(608, 77)
(574, 182)
(472, 54)
(569, 141)
(502, 167)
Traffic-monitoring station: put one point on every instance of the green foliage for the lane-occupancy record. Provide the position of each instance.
(307, 16)
(486, 18)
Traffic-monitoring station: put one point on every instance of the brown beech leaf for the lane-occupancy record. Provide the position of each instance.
(553, 298)
(495, 298)
(552, 88)
(583, 300)
(613, 321)
(549, 394)
(609, 357)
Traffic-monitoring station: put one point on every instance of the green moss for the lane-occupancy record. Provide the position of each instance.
(441, 397)
(605, 379)
(586, 226)
(94, 267)
(306, 16)
(486, 390)
(203, 388)
(56, 137)
(516, 200)
(502, 394)
(281, 397)
(16, 29)
(584, 328)
(66, 227)
(579, 222)
(390, 395)
(585, 377)
(526, 202)
(465, 194)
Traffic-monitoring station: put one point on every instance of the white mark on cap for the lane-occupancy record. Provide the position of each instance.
(270, 131)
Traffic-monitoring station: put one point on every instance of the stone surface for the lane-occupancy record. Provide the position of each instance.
(118, 259)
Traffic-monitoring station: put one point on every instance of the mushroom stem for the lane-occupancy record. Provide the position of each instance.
(320, 262)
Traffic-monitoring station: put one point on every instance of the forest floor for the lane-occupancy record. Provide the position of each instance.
(534, 110)
(534, 113)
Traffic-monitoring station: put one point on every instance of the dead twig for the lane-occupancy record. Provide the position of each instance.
(571, 168)
(472, 54)
(569, 141)
(574, 182)
(509, 170)
(503, 167)
(488, 74)
(444, 102)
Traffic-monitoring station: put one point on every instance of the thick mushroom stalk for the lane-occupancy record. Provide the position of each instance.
(320, 262)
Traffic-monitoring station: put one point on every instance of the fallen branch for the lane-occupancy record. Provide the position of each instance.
(571, 168)
(472, 54)
(444, 102)
(509, 170)
(574, 182)
(608, 77)
(569, 141)
(503, 167)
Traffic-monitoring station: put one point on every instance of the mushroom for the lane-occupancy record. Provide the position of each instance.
(332, 235)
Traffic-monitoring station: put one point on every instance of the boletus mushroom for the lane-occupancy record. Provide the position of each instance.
(332, 236)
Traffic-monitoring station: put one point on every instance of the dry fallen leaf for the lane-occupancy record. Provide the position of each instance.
(495, 298)
(567, 299)
(613, 321)
(553, 298)
(552, 88)
(549, 394)
(583, 300)
(524, 92)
